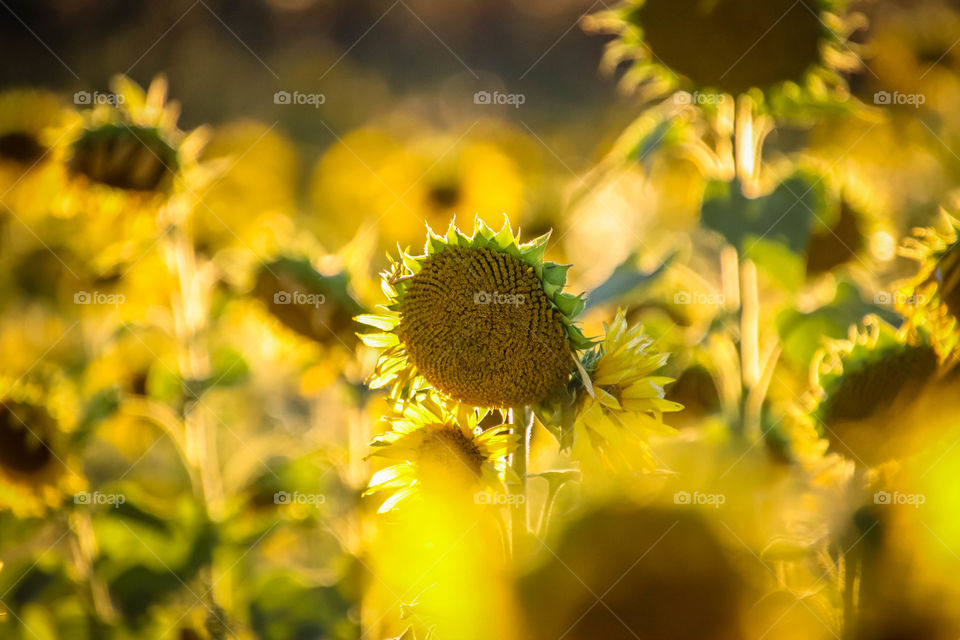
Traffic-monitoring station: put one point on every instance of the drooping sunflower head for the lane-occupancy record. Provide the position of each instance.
(930, 300)
(862, 384)
(126, 157)
(33, 418)
(728, 46)
(483, 319)
(614, 419)
(438, 446)
(35, 129)
(314, 305)
(134, 145)
(31, 125)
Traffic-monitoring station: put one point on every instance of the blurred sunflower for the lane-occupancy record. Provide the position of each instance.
(124, 165)
(663, 573)
(256, 189)
(930, 300)
(868, 387)
(913, 53)
(377, 186)
(318, 306)
(35, 417)
(614, 423)
(34, 129)
(482, 319)
(439, 448)
(728, 46)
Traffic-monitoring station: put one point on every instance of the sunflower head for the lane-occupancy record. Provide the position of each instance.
(862, 383)
(314, 305)
(481, 318)
(34, 416)
(126, 157)
(31, 125)
(930, 300)
(438, 446)
(728, 46)
(134, 146)
(614, 417)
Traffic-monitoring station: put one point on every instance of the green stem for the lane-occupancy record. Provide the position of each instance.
(522, 420)
(84, 548)
(191, 306)
(552, 491)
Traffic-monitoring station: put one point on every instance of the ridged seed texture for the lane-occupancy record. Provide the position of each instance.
(478, 326)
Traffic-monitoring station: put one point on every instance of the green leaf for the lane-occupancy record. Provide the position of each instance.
(230, 368)
(627, 278)
(570, 305)
(778, 262)
(786, 216)
(100, 407)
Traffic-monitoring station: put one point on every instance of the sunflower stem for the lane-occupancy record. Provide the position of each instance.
(191, 305)
(522, 420)
(552, 492)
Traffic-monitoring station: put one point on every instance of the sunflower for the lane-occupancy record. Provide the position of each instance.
(129, 161)
(728, 46)
(662, 572)
(379, 187)
(35, 415)
(482, 319)
(440, 447)
(320, 307)
(930, 300)
(867, 391)
(34, 127)
(913, 53)
(253, 196)
(614, 423)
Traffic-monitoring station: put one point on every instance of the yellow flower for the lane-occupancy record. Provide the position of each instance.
(35, 418)
(127, 163)
(674, 44)
(249, 202)
(871, 391)
(320, 307)
(34, 129)
(439, 447)
(381, 188)
(663, 573)
(615, 421)
(482, 319)
(930, 300)
(913, 59)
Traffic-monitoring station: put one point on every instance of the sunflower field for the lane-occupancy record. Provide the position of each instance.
(480, 319)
